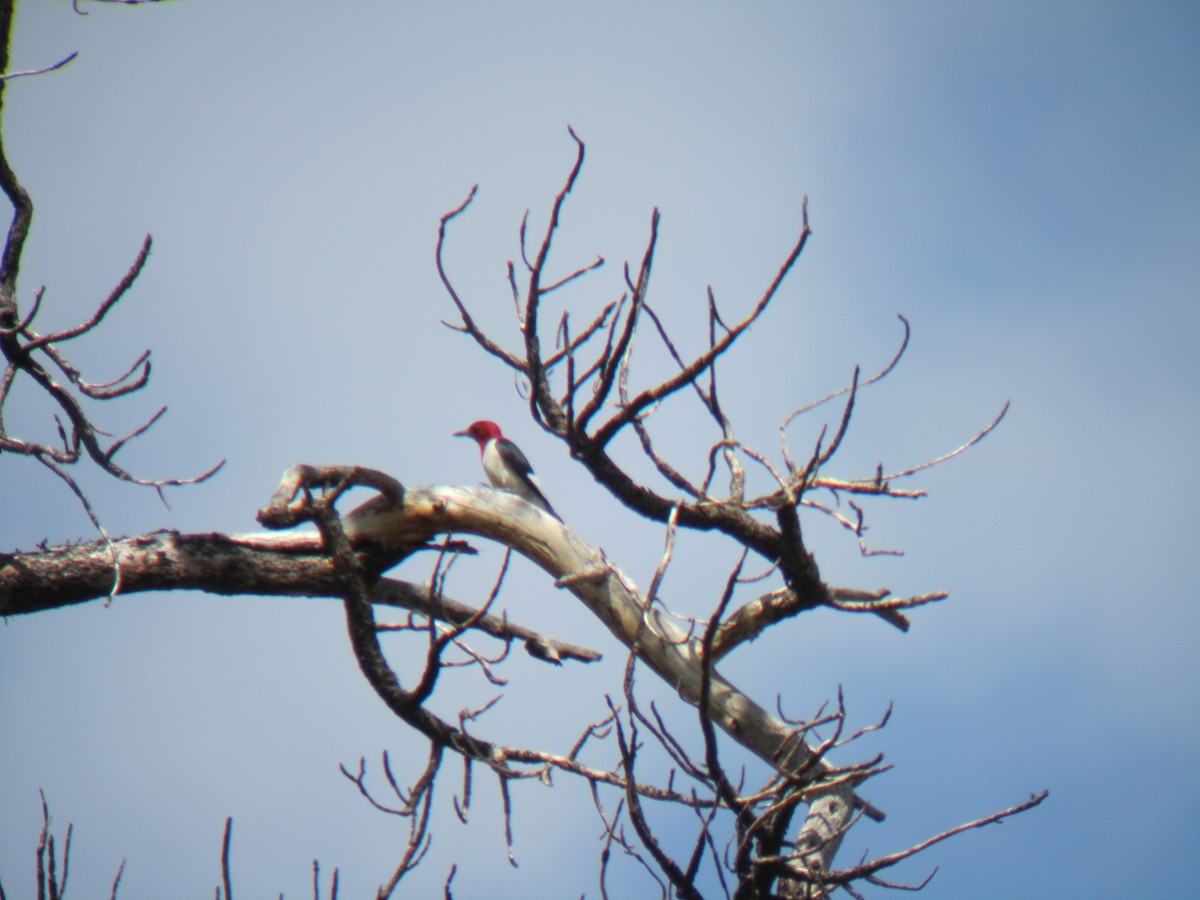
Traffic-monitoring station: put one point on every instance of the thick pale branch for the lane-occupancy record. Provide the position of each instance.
(659, 642)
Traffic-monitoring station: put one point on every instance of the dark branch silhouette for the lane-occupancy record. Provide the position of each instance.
(779, 837)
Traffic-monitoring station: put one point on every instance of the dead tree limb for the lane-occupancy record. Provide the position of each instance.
(569, 406)
(40, 358)
(656, 639)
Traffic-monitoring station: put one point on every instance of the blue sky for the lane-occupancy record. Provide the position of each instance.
(1020, 180)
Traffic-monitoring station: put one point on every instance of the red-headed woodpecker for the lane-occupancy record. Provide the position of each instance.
(505, 464)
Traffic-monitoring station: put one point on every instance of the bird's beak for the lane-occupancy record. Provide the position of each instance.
(460, 434)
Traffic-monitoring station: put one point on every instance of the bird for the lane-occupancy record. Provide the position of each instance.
(505, 465)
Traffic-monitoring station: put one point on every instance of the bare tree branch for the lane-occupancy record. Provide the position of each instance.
(859, 872)
(469, 325)
(680, 880)
(349, 553)
(226, 879)
(825, 790)
(42, 71)
(22, 348)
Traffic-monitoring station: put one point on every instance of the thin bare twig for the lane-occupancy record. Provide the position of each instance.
(859, 872)
(668, 549)
(592, 329)
(879, 376)
(578, 273)
(617, 356)
(117, 880)
(468, 325)
(953, 453)
(609, 429)
(679, 879)
(226, 879)
(390, 592)
(42, 71)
